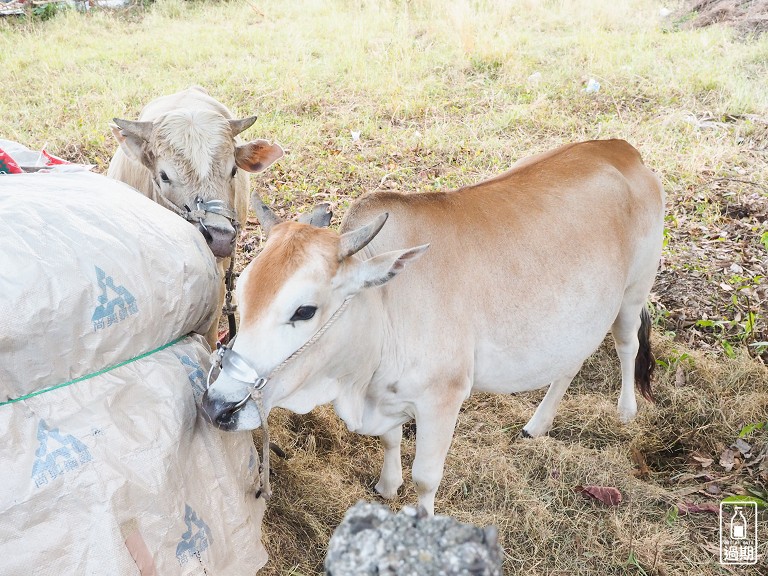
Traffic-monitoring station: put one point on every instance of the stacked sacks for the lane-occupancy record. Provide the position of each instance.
(107, 467)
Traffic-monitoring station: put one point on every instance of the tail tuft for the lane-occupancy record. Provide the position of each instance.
(644, 361)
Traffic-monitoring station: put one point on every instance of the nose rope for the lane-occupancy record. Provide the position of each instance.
(170, 205)
(265, 490)
(197, 216)
(314, 338)
(201, 208)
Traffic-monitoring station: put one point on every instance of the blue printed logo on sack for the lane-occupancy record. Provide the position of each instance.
(195, 374)
(56, 454)
(195, 540)
(115, 303)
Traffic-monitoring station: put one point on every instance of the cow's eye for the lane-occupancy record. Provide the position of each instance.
(303, 313)
(234, 171)
(164, 177)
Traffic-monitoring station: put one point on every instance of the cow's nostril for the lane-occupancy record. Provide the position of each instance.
(227, 415)
(205, 232)
(222, 414)
(220, 241)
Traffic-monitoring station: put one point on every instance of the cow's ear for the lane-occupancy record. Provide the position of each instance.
(382, 268)
(257, 155)
(132, 136)
(320, 217)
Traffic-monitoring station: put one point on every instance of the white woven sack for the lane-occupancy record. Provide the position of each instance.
(103, 469)
(118, 475)
(92, 273)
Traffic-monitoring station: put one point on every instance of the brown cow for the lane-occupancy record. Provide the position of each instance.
(523, 277)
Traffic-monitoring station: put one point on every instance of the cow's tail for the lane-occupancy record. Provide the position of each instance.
(644, 361)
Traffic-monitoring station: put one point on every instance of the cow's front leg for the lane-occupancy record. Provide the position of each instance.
(392, 470)
(434, 432)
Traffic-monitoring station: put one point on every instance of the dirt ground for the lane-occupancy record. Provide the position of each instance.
(748, 16)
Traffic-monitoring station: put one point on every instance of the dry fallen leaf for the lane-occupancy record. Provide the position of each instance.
(642, 467)
(680, 379)
(684, 508)
(742, 446)
(703, 460)
(702, 477)
(727, 459)
(608, 495)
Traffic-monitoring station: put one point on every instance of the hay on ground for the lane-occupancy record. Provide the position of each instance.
(527, 488)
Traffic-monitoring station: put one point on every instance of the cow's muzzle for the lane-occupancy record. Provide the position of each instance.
(219, 234)
(233, 370)
(217, 223)
(221, 413)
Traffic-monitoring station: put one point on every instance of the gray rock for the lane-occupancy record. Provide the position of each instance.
(372, 540)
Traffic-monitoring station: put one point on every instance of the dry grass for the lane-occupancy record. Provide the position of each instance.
(526, 487)
(441, 96)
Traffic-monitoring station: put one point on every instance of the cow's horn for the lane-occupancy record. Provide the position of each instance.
(238, 126)
(141, 129)
(266, 217)
(354, 241)
(320, 217)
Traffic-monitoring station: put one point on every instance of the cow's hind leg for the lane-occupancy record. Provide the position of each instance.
(392, 470)
(542, 419)
(631, 332)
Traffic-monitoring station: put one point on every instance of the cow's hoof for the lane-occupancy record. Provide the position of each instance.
(386, 492)
(627, 414)
(524, 434)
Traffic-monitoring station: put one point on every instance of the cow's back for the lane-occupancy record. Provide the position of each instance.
(512, 258)
(598, 191)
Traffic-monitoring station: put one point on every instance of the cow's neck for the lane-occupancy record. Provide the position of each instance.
(357, 365)
(364, 400)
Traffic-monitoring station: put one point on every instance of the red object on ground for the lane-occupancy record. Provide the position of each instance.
(8, 165)
(53, 160)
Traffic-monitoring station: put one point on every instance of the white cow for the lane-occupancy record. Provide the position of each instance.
(184, 153)
(524, 276)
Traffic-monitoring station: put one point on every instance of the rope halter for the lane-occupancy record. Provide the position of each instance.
(237, 367)
(196, 214)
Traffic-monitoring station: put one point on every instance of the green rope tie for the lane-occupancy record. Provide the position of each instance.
(92, 375)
